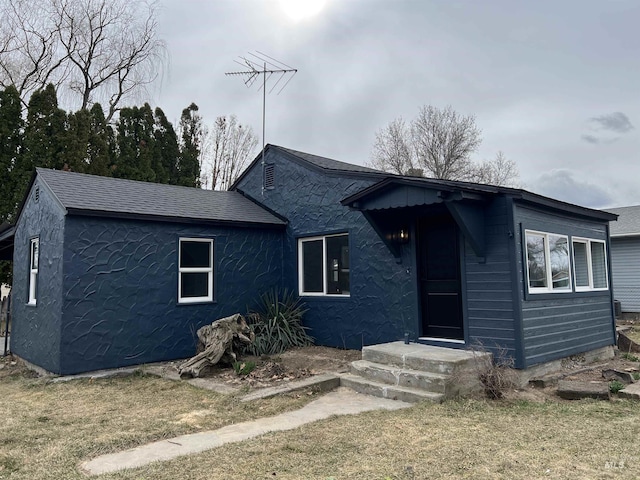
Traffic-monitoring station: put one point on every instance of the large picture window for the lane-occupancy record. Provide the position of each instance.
(34, 253)
(548, 268)
(590, 264)
(195, 270)
(324, 265)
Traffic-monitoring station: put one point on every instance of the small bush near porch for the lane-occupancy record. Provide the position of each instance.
(47, 429)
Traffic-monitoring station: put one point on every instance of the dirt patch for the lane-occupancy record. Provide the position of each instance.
(294, 364)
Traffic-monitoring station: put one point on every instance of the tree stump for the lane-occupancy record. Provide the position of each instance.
(215, 344)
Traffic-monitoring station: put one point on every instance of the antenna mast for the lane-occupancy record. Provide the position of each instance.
(256, 64)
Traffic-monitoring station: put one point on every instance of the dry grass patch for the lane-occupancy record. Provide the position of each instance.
(48, 428)
(468, 439)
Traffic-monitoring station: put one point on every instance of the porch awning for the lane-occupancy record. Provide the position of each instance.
(386, 204)
(7, 233)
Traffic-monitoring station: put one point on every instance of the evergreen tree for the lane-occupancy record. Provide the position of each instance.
(191, 136)
(11, 130)
(101, 146)
(167, 152)
(76, 151)
(135, 144)
(43, 141)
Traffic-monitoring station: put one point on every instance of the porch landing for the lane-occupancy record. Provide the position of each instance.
(414, 372)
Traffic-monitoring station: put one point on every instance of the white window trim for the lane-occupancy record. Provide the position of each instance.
(33, 272)
(209, 270)
(324, 267)
(588, 242)
(547, 257)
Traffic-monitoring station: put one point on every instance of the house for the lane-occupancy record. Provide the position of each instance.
(113, 272)
(625, 257)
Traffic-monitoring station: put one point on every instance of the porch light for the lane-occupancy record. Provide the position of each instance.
(401, 236)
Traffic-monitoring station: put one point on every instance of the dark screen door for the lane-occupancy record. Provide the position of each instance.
(439, 278)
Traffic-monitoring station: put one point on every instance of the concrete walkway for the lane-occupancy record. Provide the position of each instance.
(339, 402)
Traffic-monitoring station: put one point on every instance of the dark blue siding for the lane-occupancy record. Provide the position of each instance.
(561, 324)
(383, 299)
(35, 332)
(489, 289)
(120, 288)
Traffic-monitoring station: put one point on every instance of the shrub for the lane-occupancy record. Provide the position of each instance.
(277, 324)
(615, 386)
(495, 372)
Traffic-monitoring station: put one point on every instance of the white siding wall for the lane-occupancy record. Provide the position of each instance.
(625, 262)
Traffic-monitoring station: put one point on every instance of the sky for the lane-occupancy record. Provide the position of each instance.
(552, 84)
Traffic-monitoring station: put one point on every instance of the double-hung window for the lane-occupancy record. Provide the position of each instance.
(589, 264)
(34, 251)
(195, 270)
(548, 269)
(323, 264)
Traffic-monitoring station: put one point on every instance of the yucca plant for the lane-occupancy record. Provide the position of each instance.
(277, 324)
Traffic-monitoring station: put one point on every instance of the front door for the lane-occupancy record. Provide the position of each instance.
(439, 278)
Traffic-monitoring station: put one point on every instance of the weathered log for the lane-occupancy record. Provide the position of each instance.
(215, 344)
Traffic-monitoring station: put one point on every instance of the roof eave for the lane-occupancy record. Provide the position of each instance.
(174, 219)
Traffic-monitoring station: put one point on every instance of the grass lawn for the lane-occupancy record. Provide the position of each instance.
(47, 429)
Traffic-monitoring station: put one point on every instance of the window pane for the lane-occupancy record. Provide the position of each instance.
(312, 266)
(338, 264)
(34, 254)
(559, 259)
(536, 261)
(581, 264)
(195, 254)
(194, 285)
(598, 265)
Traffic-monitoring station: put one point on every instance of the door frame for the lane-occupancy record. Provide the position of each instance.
(441, 341)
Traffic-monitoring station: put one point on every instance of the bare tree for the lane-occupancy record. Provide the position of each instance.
(392, 150)
(438, 143)
(226, 151)
(501, 171)
(96, 50)
(444, 141)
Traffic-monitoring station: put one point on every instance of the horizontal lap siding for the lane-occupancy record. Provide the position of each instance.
(625, 262)
(563, 324)
(489, 297)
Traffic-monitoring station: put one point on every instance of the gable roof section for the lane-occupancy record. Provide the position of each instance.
(86, 194)
(628, 224)
(315, 162)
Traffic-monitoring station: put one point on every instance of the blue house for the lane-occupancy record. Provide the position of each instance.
(112, 272)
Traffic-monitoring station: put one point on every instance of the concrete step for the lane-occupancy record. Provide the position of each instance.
(383, 390)
(425, 358)
(402, 377)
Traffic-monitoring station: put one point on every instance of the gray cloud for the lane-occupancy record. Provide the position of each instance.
(562, 184)
(590, 139)
(615, 122)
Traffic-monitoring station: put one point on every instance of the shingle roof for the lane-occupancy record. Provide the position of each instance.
(81, 193)
(328, 163)
(628, 224)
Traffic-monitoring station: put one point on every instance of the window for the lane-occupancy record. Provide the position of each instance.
(589, 264)
(195, 270)
(324, 265)
(548, 268)
(34, 250)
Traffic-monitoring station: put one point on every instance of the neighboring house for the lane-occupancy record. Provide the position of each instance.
(112, 272)
(625, 257)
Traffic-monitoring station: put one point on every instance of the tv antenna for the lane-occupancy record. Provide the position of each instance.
(255, 65)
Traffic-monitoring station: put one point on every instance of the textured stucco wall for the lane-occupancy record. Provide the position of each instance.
(35, 329)
(383, 302)
(120, 288)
